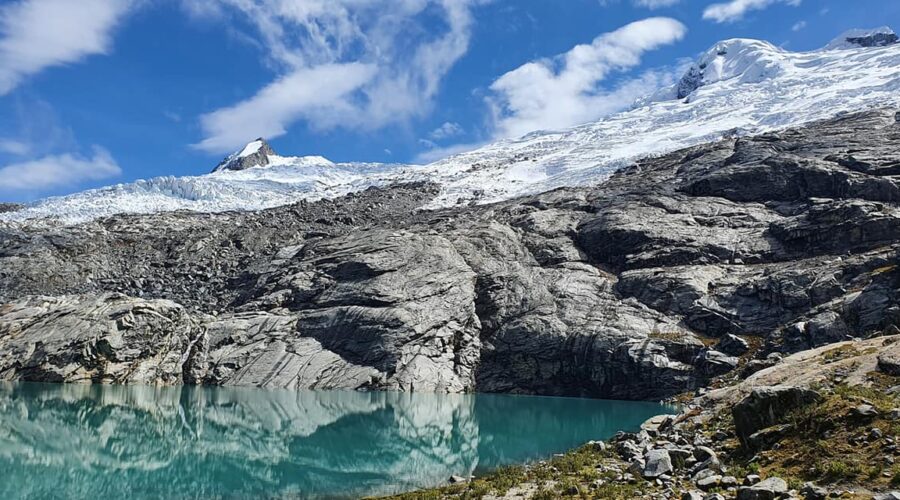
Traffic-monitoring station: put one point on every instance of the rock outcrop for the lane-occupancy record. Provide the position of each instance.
(767, 406)
(621, 290)
(254, 154)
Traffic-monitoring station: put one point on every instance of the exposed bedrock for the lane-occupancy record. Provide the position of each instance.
(642, 287)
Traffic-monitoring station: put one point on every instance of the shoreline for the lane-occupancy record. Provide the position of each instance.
(707, 452)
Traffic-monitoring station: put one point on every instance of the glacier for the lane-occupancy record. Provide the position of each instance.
(737, 87)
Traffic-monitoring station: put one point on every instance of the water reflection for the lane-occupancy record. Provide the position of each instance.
(112, 441)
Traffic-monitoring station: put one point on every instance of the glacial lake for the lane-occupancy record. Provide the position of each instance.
(93, 441)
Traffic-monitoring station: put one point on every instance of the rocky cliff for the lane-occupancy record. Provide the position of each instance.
(677, 269)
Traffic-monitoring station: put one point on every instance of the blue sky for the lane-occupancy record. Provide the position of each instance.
(95, 92)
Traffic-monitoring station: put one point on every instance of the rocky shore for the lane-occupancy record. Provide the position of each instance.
(739, 274)
(823, 423)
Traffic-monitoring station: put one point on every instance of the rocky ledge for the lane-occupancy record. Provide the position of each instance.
(697, 267)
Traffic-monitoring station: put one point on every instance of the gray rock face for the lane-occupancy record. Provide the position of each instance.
(9, 207)
(256, 154)
(401, 303)
(609, 291)
(767, 406)
(874, 40)
(732, 345)
(109, 338)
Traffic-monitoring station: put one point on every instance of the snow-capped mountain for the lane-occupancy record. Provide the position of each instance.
(738, 86)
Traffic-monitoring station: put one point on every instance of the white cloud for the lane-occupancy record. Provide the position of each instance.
(36, 34)
(317, 94)
(13, 146)
(567, 90)
(655, 4)
(445, 131)
(649, 4)
(385, 64)
(735, 10)
(799, 25)
(58, 171)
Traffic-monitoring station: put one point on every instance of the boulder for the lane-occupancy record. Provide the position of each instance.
(702, 453)
(654, 425)
(732, 345)
(889, 362)
(680, 456)
(636, 467)
(708, 481)
(769, 489)
(863, 412)
(658, 463)
(766, 438)
(812, 491)
(756, 365)
(714, 363)
(767, 406)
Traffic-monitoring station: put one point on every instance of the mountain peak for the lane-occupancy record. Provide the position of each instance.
(751, 60)
(255, 154)
(856, 38)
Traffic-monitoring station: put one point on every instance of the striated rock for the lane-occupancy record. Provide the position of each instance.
(403, 305)
(610, 291)
(106, 339)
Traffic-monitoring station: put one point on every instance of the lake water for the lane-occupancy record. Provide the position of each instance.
(81, 441)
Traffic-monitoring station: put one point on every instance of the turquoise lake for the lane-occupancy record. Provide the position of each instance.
(92, 441)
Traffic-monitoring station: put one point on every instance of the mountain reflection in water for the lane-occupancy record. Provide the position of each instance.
(90, 441)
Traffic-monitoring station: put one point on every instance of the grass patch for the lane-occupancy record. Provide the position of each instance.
(829, 446)
(571, 475)
(885, 269)
(839, 353)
